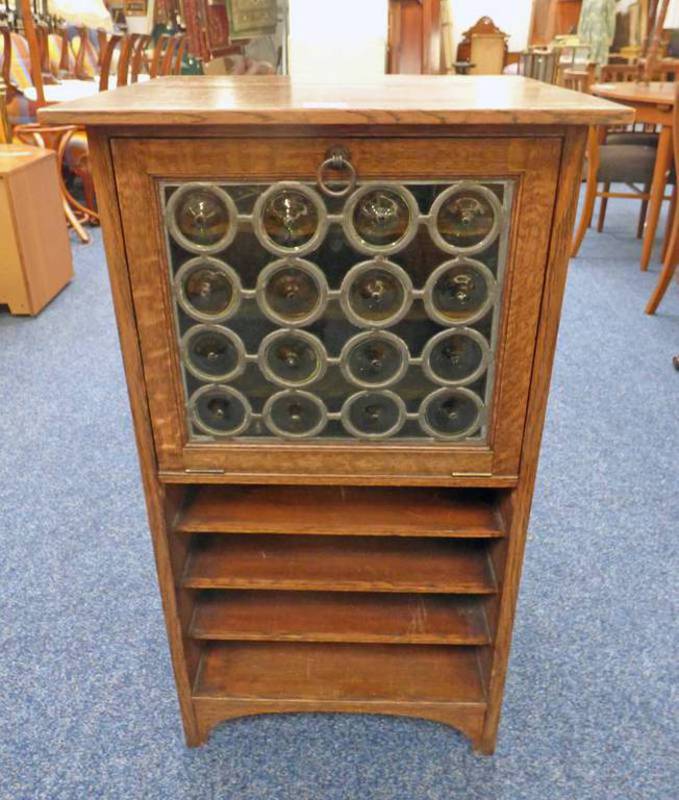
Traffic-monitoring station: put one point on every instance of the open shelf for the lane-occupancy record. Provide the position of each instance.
(331, 510)
(339, 672)
(339, 563)
(331, 617)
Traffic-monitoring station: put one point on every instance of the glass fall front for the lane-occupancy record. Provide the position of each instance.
(367, 318)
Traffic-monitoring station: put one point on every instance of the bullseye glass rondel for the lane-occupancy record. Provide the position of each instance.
(220, 412)
(465, 219)
(295, 414)
(292, 293)
(213, 353)
(292, 359)
(455, 357)
(460, 292)
(452, 413)
(202, 217)
(376, 294)
(374, 414)
(208, 290)
(290, 219)
(381, 217)
(375, 360)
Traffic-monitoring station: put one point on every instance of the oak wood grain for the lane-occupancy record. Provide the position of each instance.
(388, 99)
(339, 563)
(341, 510)
(340, 672)
(339, 617)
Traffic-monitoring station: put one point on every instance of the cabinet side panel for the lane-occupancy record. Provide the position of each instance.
(41, 230)
(155, 493)
(518, 504)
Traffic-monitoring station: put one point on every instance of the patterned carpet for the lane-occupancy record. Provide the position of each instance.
(87, 702)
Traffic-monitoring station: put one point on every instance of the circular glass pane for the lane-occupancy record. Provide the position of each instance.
(374, 359)
(207, 289)
(382, 218)
(376, 294)
(220, 410)
(295, 414)
(289, 218)
(465, 218)
(455, 357)
(213, 353)
(459, 291)
(373, 415)
(202, 218)
(292, 358)
(292, 292)
(451, 413)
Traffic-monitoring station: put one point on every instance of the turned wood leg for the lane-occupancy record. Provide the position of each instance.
(602, 208)
(669, 266)
(662, 163)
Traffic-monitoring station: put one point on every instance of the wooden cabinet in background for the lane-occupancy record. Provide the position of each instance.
(338, 314)
(35, 253)
(414, 40)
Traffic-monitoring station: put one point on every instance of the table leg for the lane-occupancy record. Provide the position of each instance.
(662, 164)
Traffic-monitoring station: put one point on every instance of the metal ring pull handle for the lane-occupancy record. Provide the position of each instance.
(337, 159)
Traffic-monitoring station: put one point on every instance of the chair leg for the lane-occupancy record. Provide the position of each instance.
(669, 266)
(602, 209)
(590, 191)
(642, 212)
(668, 224)
(585, 217)
(73, 222)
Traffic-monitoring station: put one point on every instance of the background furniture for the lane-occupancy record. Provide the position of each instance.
(485, 46)
(35, 254)
(671, 255)
(414, 38)
(339, 389)
(653, 104)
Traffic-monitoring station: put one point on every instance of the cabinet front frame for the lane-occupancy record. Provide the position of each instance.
(532, 163)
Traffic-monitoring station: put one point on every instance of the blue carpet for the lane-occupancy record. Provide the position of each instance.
(87, 702)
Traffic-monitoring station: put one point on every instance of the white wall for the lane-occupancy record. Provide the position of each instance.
(337, 40)
(511, 16)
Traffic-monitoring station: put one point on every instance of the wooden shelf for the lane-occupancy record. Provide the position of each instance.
(339, 563)
(339, 672)
(330, 617)
(332, 510)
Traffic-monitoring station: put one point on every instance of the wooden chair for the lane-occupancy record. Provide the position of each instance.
(579, 79)
(87, 58)
(671, 252)
(160, 54)
(56, 137)
(630, 164)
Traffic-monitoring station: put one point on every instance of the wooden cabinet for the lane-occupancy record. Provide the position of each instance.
(338, 319)
(35, 254)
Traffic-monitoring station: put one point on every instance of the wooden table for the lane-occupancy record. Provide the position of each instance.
(321, 550)
(653, 104)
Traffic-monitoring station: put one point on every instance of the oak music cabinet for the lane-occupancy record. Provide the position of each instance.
(338, 307)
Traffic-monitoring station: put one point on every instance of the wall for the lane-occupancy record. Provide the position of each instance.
(337, 40)
(511, 16)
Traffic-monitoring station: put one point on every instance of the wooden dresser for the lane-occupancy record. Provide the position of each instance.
(338, 307)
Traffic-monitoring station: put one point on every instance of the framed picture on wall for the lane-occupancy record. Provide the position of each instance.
(251, 18)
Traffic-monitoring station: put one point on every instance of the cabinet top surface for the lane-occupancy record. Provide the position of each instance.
(14, 157)
(387, 100)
